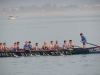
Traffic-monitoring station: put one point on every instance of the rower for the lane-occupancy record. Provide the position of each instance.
(36, 48)
(45, 46)
(51, 46)
(65, 45)
(26, 47)
(13, 48)
(70, 45)
(30, 46)
(83, 40)
(56, 46)
(5, 47)
(1, 47)
(18, 50)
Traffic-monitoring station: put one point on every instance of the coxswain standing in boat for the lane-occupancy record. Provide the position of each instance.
(83, 40)
(5, 47)
(36, 48)
(45, 46)
(26, 47)
(70, 45)
(56, 46)
(30, 46)
(14, 47)
(51, 46)
(1, 47)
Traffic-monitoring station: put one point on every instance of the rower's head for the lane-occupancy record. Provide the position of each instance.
(65, 42)
(15, 44)
(4, 44)
(81, 34)
(26, 43)
(45, 43)
(36, 44)
(18, 43)
(70, 41)
(0, 44)
(56, 42)
(29, 42)
(51, 42)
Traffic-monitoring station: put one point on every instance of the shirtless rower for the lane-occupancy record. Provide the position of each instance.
(36, 48)
(51, 46)
(1, 47)
(56, 46)
(45, 46)
(70, 45)
(13, 48)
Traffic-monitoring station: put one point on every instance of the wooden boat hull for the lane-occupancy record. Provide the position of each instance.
(52, 52)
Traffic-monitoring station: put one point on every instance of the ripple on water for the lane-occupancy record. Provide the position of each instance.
(86, 65)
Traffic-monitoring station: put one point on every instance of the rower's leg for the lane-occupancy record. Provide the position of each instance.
(84, 45)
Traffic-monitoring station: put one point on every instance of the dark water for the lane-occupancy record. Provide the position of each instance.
(54, 27)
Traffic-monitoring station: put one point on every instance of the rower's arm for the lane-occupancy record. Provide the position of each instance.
(49, 47)
(11, 47)
(34, 48)
(54, 47)
(43, 47)
(68, 45)
(2, 47)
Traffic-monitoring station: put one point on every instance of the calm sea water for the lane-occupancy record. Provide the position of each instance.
(54, 27)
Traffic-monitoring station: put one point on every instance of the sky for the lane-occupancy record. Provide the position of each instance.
(49, 6)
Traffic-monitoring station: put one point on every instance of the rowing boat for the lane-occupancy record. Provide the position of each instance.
(90, 50)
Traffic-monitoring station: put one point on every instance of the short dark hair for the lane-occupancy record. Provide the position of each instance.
(29, 41)
(70, 40)
(51, 41)
(4, 43)
(36, 43)
(81, 33)
(18, 42)
(15, 43)
(56, 41)
(65, 41)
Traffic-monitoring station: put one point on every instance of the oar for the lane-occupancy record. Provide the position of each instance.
(93, 44)
(77, 46)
